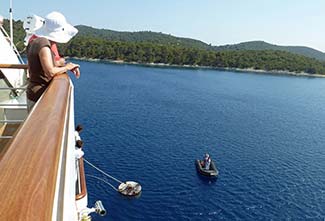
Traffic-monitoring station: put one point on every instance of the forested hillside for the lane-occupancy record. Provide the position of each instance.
(142, 36)
(144, 52)
(160, 38)
(261, 45)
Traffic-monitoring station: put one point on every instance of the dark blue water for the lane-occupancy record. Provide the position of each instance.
(266, 133)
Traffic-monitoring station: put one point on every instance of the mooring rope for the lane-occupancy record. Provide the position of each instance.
(98, 178)
(99, 170)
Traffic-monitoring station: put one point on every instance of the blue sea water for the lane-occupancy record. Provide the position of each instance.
(265, 132)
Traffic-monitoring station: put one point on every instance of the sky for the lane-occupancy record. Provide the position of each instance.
(216, 22)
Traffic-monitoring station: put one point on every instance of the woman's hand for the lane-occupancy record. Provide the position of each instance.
(74, 68)
(76, 72)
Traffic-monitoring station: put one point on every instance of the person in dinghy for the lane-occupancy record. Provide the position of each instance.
(206, 162)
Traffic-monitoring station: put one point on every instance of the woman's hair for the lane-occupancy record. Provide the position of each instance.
(79, 143)
(79, 128)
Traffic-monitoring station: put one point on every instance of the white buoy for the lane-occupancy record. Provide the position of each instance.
(129, 188)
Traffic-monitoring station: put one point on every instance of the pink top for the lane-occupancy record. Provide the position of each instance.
(54, 47)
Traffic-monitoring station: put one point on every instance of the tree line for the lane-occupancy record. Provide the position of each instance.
(146, 52)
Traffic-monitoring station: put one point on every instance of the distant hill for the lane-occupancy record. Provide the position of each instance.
(170, 40)
(141, 36)
(261, 45)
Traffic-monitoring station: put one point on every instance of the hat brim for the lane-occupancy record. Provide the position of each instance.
(60, 36)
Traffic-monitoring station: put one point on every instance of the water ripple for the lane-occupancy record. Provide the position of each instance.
(149, 125)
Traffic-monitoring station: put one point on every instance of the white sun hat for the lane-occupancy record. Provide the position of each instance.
(30, 25)
(33, 23)
(56, 28)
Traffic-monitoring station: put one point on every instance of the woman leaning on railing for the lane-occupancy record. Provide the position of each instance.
(42, 53)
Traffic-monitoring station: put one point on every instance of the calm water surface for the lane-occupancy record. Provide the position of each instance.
(266, 133)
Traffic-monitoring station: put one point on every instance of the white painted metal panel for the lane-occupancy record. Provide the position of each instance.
(8, 56)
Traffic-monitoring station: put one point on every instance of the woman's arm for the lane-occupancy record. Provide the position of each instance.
(49, 69)
(59, 63)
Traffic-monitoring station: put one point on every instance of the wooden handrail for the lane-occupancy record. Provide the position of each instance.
(83, 188)
(29, 166)
(14, 66)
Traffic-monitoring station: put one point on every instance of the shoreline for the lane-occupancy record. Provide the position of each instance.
(244, 70)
